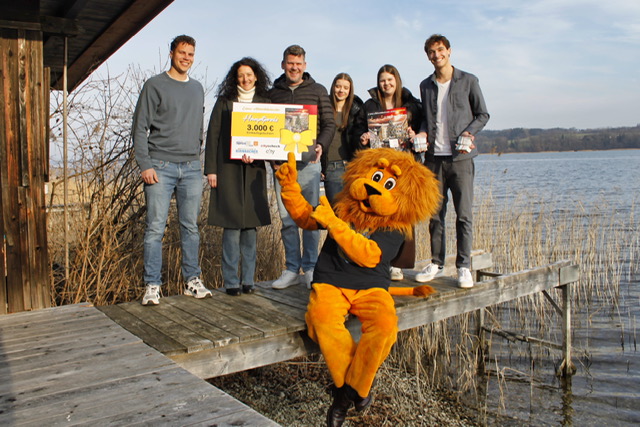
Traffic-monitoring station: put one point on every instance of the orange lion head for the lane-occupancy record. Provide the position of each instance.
(387, 189)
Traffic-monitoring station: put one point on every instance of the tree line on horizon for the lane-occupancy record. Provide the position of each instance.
(522, 140)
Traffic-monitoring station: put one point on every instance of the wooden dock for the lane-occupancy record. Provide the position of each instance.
(224, 334)
(72, 365)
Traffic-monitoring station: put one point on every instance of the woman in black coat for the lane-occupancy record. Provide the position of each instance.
(238, 202)
(351, 122)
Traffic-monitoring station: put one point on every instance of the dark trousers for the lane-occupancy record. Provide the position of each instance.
(456, 177)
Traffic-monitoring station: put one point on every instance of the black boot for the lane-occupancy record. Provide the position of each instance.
(361, 403)
(338, 409)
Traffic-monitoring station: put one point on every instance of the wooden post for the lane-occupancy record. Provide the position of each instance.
(567, 368)
(481, 339)
(479, 263)
(23, 166)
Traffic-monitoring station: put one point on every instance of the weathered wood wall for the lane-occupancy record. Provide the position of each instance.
(24, 106)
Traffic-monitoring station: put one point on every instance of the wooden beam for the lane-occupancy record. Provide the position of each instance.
(60, 26)
(123, 28)
(20, 25)
(242, 356)
(45, 24)
(513, 337)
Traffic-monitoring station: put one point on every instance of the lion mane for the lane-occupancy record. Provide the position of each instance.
(387, 189)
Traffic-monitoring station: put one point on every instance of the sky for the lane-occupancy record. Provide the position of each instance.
(541, 63)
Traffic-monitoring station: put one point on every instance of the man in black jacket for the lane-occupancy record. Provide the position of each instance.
(296, 86)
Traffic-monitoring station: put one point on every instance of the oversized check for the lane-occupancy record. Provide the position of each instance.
(271, 131)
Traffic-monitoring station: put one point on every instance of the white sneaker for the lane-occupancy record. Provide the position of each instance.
(430, 272)
(307, 278)
(195, 288)
(151, 295)
(464, 278)
(286, 279)
(396, 274)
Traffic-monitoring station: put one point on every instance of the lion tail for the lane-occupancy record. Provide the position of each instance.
(418, 291)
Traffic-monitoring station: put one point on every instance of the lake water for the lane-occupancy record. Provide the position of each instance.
(597, 186)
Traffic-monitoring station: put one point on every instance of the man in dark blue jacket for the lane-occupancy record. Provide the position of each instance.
(454, 112)
(296, 86)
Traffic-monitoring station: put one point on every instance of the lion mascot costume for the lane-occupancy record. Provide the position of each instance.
(386, 192)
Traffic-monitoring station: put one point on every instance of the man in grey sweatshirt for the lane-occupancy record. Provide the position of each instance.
(167, 136)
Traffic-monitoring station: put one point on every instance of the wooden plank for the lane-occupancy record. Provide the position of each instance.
(569, 274)
(49, 314)
(5, 107)
(190, 320)
(150, 335)
(242, 356)
(483, 294)
(296, 296)
(202, 417)
(31, 357)
(115, 361)
(48, 347)
(10, 169)
(482, 261)
(39, 161)
(292, 317)
(176, 407)
(32, 174)
(295, 313)
(152, 315)
(233, 308)
(43, 330)
(60, 336)
(182, 398)
(111, 393)
(235, 331)
(108, 379)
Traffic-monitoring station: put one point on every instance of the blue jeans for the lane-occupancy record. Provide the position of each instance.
(238, 246)
(309, 180)
(333, 180)
(186, 180)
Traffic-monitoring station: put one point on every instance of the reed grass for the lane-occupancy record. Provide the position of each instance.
(522, 234)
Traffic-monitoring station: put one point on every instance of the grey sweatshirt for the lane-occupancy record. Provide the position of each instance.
(168, 121)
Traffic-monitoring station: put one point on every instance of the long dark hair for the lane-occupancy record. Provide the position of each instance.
(397, 97)
(229, 87)
(347, 102)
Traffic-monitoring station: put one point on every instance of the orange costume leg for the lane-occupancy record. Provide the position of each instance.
(377, 312)
(348, 362)
(326, 314)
